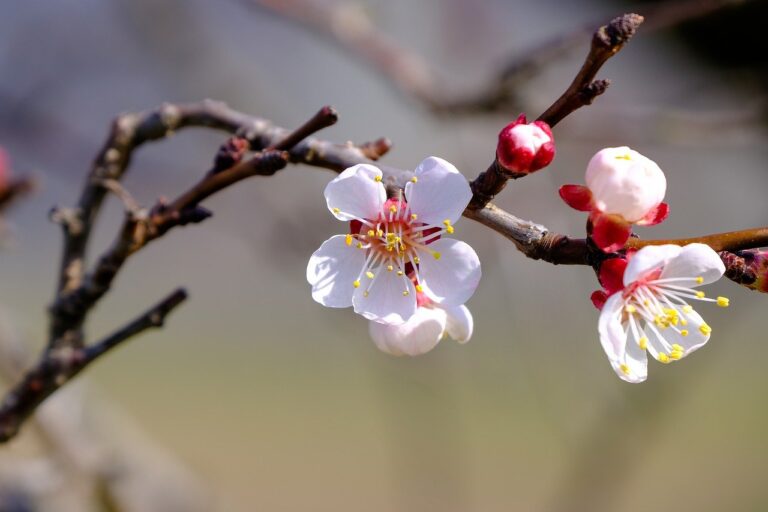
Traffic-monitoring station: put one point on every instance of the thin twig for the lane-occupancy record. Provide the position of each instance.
(60, 365)
(607, 41)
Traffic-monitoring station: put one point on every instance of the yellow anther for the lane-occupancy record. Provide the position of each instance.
(705, 329)
(448, 227)
(419, 288)
(687, 309)
(625, 156)
(348, 240)
(393, 209)
(624, 369)
(675, 355)
(371, 232)
(700, 295)
(336, 210)
(365, 293)
(399, 272)
(646, 303)
(436, 254)
(700, 280)
(414, 216)
(683, 321)
(414, 179)
(356, 283)
(369, 275)
(406, 293)
(643, 342)
(663, 358)
(359, 245)
(723, 302)
(678, 348)
(390, 268)
(629, 308)
(416, 260)
(379, 232)
(377, 178)
(684, 333)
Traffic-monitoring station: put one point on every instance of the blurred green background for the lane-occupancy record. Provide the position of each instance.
(279, 404)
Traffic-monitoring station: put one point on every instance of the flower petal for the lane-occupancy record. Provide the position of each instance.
(420, 334)
(449, 272)
(439, 193)
(695, 260)
(613, 337)
(331, 271)
(633, 368)
(649, 258)
(385, 301)
(460, 323)
(355, 193)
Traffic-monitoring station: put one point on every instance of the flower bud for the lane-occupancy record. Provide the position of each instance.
(748, 268)
(624, 182)
(525, 147)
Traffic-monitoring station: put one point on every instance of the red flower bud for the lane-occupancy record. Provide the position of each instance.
(525, 147)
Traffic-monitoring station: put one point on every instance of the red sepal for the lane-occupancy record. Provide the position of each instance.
(609, 232)
(611, 275)
(577, 197)
(655, 216)
(599, 297)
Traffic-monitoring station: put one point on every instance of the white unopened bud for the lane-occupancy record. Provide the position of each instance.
(624, 182)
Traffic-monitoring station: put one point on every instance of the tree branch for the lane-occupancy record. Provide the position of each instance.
(59, 365)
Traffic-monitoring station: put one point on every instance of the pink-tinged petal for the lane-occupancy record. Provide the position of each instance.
(633, 368)
(449, 272)
(655, 216)
(356, 193)
(610, 232)
(647, 259)
(598, 298)
(420, 334)
(385, 302)
(577, 197)
(331, 271)
(695, 260)
(439, 192)
(611, 274)
(613, 337)
(460, 323)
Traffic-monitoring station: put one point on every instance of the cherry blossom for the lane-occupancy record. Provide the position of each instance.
(424, 330)
(390, 240)
(623, 188)
(646, 306)
(525, 147)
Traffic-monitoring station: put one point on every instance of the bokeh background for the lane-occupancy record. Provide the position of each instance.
(275, 403)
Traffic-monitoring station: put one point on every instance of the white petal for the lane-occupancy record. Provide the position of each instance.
(355, 193)
(385, 301)
(695, 260)
(648, 258)
(440, 192)
(634, 366)
(331, 271)
(694, 340)
(451, 278)
(417, 336)
(613, 337)
(460, 323)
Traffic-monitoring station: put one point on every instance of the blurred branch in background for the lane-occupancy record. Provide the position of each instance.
(347, 24)
(96, 458)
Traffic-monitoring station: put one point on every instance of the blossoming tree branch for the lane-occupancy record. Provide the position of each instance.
(395, 259)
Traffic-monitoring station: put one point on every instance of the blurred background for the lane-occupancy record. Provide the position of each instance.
(256, 397)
